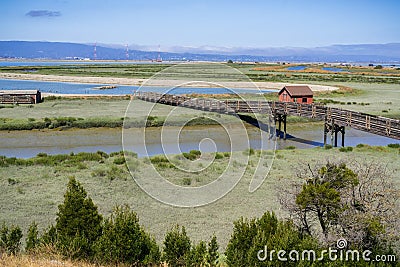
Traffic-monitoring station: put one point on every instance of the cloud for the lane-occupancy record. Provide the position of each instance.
(43, 13)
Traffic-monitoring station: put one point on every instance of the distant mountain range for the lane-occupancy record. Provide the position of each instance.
(371, 53)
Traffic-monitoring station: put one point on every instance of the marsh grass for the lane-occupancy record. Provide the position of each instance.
(39, 188)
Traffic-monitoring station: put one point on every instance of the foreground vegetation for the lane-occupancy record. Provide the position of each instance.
(322, 209)
(32, 188)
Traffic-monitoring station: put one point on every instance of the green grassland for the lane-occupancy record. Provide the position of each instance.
(376, 99)
(88, 113)
(32, 189)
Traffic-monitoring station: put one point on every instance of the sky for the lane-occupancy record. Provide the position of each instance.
(196, 23)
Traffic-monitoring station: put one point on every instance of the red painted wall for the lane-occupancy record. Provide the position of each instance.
(285, 97)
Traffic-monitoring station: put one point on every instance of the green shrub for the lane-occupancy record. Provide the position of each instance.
(227, 154)
(102, 154)
(212, 252)
(119, 160)
(78, 223)
(360, 145)
(346, 149)
(32, 239)
(192, 155)
(251, 236)
(176, 247)
(118, 153)
(12, 181)
(159, 159)
(219, 155)
(197, 255)
(328, 146)
(99, 173)
(10, 239)
(115, 173)
(249, 152)
(124, 241)
(290, 147)
(396, 145)
(187, 181)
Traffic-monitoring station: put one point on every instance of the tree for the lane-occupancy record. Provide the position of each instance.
(266, 232)
(176, 246)
(124, 241)
(212, 252)
(320, 196)
(32, 239)
(244, 231)
(356, 200)
(230, 61)
(197, 255)
(10, 239)
(78, 222)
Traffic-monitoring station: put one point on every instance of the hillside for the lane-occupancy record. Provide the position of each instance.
(389, 53)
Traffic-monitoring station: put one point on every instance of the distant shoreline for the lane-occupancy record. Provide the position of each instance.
(157, 83)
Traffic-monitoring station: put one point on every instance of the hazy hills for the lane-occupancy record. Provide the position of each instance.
(389, 53)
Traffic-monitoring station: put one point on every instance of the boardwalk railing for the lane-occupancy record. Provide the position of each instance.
(342, 117)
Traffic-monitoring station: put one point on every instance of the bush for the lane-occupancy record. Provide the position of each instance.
(159, 159)
(123, 240)
(197, 255)
(115, 173)
(119, 160)
(187, 181)
(360, 145)
(249, 152)
(328, 146)
(397, 145)
(290, 147)
(78, 223)
(219, 155)
(32, 239)
(212, 252)
(346, 149)
(251, 236)
(192, 155)
(176, 246)
(10, 239)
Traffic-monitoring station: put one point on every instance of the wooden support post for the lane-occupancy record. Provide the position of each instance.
(332, 130)
(343, 133)
(279, 123)
(284, 127)
(336, 131)
(325, 129)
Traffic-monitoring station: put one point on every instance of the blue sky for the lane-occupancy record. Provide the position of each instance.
(251, 23)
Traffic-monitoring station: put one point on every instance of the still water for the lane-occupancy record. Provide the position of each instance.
(87, 89)
(27, 144)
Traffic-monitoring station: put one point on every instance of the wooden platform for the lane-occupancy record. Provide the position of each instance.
(334, 116)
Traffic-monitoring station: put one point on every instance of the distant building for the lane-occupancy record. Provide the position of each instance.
(296, 93)
(20, 96)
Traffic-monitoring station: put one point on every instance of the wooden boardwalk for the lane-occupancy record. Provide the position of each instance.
(336, 119)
